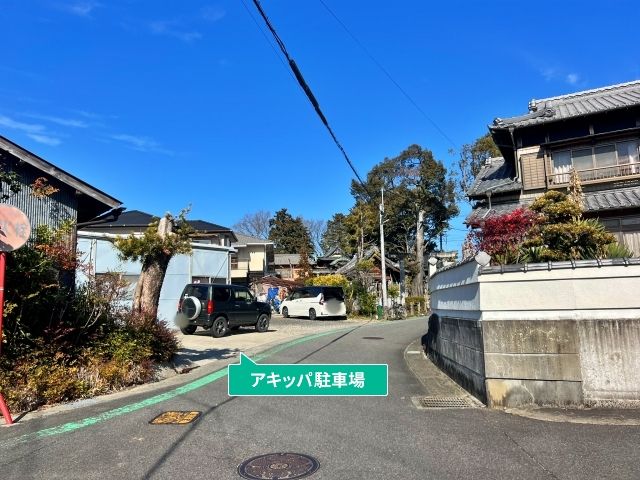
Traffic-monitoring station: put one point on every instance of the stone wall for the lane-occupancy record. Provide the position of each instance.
(456, 346)
(562, 334)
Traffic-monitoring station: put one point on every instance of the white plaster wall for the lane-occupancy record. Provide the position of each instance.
(205, 261)
(606, 292)
(455, 292)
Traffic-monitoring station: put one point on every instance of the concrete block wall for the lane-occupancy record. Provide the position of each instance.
(564, 335)
(532, 361)
(456, 346)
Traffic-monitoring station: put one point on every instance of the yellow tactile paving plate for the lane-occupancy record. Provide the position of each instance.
(175, 418)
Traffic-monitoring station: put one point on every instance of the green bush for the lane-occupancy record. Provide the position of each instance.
(334, 280)
(367, 303)
(562, 233)
(393, 291)
(616, 250)
(416, 303)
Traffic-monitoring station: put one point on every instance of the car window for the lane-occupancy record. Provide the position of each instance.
(198, 291)
(333, 293)
(221, 294)
(314, 292)
(242, 295)
(296, 294)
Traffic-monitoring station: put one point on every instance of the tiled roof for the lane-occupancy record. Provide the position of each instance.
(612, 199)
(136, 218)
(597, 201)
(369, 253)
(577, 104)
(287, 259)
(496, 177)
(481, 213)
(247, 240)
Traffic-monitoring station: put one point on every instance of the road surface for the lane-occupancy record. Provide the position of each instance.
(351, 437)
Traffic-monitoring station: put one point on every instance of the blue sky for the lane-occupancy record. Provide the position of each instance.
(166, 104)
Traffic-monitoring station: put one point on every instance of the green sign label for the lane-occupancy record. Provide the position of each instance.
(248, 378)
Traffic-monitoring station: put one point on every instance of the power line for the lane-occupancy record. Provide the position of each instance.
(307, 90)
(386, 72)
(284, 65)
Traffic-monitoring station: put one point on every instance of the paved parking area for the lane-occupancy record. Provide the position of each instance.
(201, 348)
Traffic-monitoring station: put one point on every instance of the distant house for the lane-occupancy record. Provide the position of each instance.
(287, 265)
(72, 200)
(374, 276)
(330, 262)
(596, 132)
(208, 261)
(252, 260)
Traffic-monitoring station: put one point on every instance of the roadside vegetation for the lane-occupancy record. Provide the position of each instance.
(552, 228)
(64, 341)
(419, 203)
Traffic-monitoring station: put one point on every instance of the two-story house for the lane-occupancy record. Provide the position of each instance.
(252, 260)
(596, 132)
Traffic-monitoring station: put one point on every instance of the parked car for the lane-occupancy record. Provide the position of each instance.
(220, 308)
(314, 302)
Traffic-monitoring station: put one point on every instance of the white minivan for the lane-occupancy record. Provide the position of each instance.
(314, 302)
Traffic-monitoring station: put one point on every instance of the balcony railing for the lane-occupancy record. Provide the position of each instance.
(599, 174)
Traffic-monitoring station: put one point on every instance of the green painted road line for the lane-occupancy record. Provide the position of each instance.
(249, 379)
(189, 387)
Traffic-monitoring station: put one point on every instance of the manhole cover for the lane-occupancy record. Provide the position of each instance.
(373, 338)
(278, 466)
(175, 418)
(444, 402)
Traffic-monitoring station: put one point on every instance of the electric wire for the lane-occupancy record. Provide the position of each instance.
(307, 90)
(386, 72)
(266, 37)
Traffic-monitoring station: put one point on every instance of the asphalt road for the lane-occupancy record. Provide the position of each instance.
(352, 438)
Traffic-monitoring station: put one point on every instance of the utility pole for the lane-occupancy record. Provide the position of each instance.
(383, 259)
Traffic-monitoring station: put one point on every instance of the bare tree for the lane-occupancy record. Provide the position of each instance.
(254, 224)
(316, 230)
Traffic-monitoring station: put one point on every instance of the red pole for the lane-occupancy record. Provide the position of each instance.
(3, 406)
(3, 258)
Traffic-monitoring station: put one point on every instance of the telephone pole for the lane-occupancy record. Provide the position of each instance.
(383, 259)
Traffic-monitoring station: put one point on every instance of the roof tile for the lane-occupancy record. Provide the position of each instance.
(576, 104)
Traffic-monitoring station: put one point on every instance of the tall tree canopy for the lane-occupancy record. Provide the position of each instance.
(472, 157)
(289, 234)
(419, 201)
(336, 234)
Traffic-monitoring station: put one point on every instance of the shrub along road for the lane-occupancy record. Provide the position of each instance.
(352, 438)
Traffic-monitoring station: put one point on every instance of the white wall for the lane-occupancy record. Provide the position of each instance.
(610, 291)
(205, 260)
(560, 334)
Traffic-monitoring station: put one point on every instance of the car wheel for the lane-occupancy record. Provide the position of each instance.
(262, 325)
(219, 327)
(188, 330)
(285, 312)
(312, 314)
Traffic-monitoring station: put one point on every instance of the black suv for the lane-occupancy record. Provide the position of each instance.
(219, 308)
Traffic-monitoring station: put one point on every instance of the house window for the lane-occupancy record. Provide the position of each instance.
(628, 152)
(234, 261)
(598, 162)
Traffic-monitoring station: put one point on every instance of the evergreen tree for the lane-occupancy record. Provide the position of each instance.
(289, 234)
